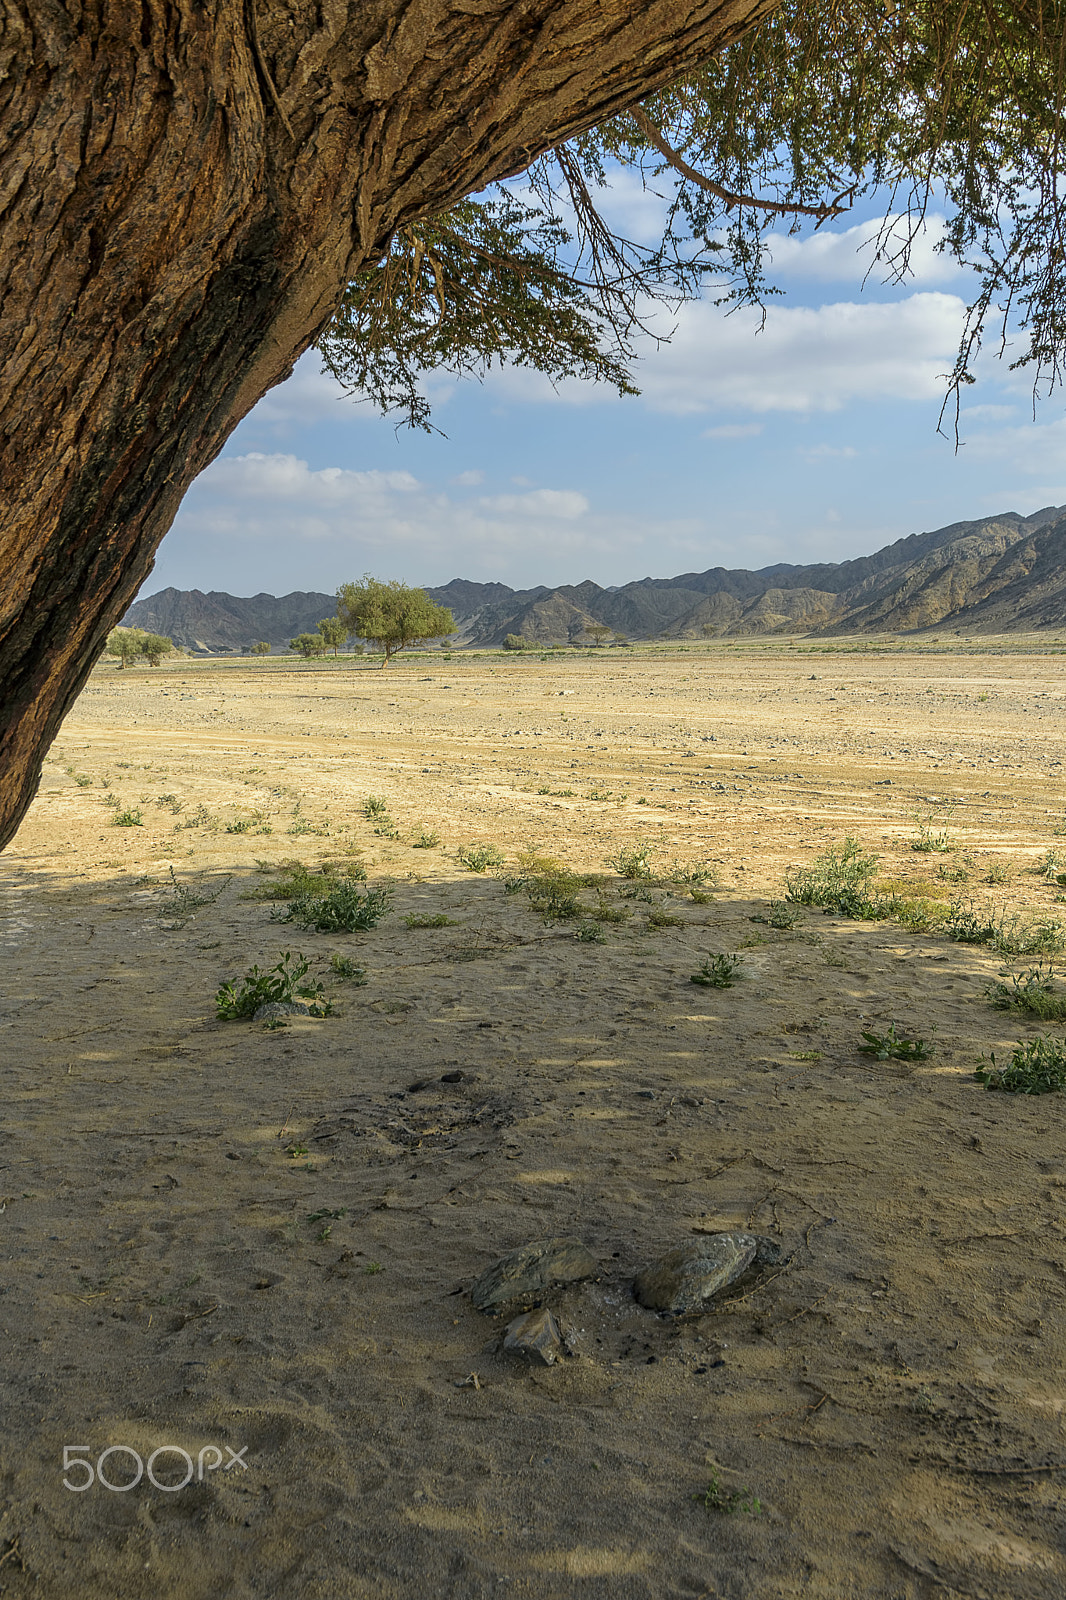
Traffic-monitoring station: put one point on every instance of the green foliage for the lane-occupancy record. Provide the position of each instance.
(727, 1501)
(308, 645)
(838, 880)
(349, 971)
(426, 840)
(1035, 1067)
(340, 908)
(375, 805)
(590, 933)
(280, 986)
(262, 648)
(718, 972)
(663, 919)
(693, 874)
(129, 643)
(1030, 993)
(632, 861)
(1010, 935)
(391, 615)
(437, 921)
(482, 284)
(133, 818)
(893, 1046)
(83, 780)
(294, 881)
(516, 641)
(478, 857)
(779, 914)
(154, 646)
(334, 632)
(200, 818)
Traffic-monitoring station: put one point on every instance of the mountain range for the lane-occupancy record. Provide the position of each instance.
(993, 575)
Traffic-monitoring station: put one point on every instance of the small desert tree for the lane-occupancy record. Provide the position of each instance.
(154, 646)
(308, 645)
(262, 648)
(126, 643)
(599, 631)
(391, 615)
(516, 641)
(333, 631)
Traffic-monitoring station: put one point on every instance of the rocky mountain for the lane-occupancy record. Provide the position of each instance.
(217, 622)
(990, 576)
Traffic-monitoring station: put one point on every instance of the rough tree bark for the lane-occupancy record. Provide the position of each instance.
(185, 188)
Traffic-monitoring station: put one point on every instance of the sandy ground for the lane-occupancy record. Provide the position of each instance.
(225, 1238)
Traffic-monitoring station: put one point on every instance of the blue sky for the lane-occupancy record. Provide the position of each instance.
(813, 440)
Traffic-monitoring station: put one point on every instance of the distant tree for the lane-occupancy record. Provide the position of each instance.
(599, 631)
(126, 644)
(262, 648)
(154, 646)
(308, 645)
(333, 631)
(391, 615)
(516, 641)
(619, 637)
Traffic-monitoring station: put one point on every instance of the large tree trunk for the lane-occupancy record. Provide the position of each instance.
(185, 188)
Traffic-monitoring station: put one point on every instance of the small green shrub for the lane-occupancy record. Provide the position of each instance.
(184, 898)
(438, 921)
(838, 880)
(892, 1046)
(632, 862)
(299, 827)
(555, 899)
(82, 780)
(1035, 1067)
(1048, 867)
(375, 805)
(133, 818)
(240, 825)
(171, 802)
(280, 986)
(200, 818)
(590, 933)
(728, 1501)
(606, 913)
(479, 857)
(345, 968)
(296, 882)
(1031, 993)
(387, 829)
(718, 972)
(693, 874)
(426, 840)
(779, 914)
(341, 909)
(663, 919)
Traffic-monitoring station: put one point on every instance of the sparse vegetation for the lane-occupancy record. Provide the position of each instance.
(479, 857)
(632, 861)
(437, 921)
(727, 1501)
(718, 972)
(347, 970)
(130, 818)
(838, 880)
(1030, 993)
(893, 1046)
(340, 908)
(281, 985)
(185, 898)
(1037, 1066)
(779, 914)
(426, 839)
(375, 806)
(663, 919)
(590, 933)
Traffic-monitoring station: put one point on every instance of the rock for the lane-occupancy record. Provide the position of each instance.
(686, 1278)
(525, 1274)
(281, 1008)
(535, 1335)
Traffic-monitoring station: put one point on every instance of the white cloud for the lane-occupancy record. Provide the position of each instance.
(846, 255)
(468, 480)
(733, 430)
(565, 503)
(1036, 447)
(805, 359)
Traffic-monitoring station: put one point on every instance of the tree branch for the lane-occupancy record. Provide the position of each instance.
(678, 162)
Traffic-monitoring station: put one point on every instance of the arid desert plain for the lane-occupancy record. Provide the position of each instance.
(257, 1243)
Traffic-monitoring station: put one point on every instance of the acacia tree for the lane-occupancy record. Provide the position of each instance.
(192, 190)
(391, 615)
(334, 632)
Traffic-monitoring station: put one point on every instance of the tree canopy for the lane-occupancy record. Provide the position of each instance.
(391, 615)
(902, 103)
